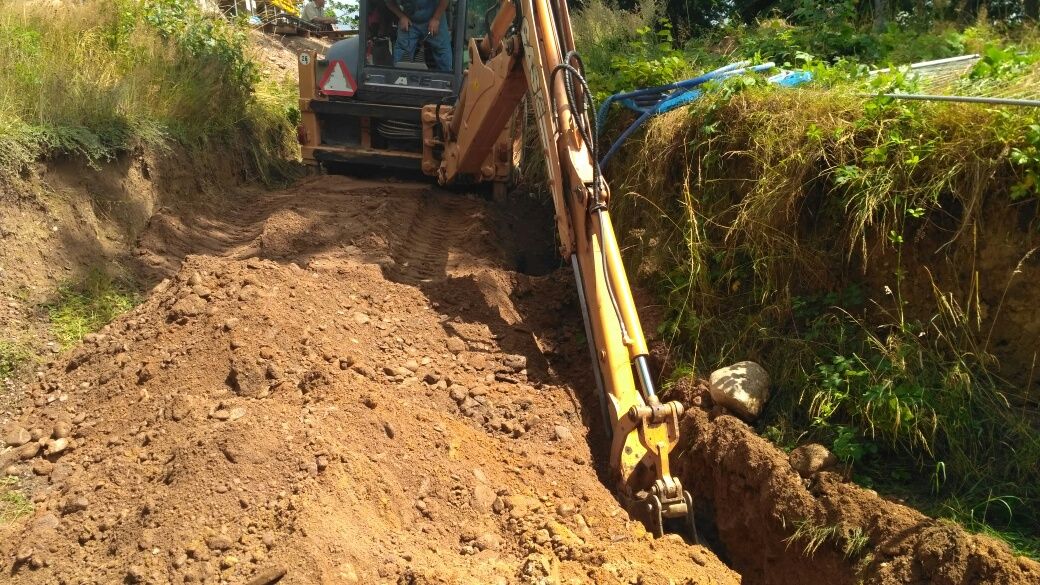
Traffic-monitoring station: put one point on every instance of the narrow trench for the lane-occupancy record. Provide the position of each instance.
(753, 511)
(525, 225)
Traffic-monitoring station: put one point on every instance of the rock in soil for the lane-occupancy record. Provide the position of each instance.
(742, 388)
(17, 437)
(811, 458)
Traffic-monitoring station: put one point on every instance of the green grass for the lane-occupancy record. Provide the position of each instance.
(13, 355)
(796, 228)
(973, 512)
(13, 502)
(850, 540)
(96, 79)
(87, 306)
(766, 209)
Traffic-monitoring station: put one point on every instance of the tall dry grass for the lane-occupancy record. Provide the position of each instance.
(96, 78)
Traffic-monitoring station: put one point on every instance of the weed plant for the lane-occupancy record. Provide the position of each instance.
(13, 502)
(86, 306)
(849, 539)
(13, 355)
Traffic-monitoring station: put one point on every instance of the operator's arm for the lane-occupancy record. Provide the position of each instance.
(435, 21)
(403, 22)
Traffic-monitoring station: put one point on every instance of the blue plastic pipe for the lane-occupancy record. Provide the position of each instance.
(678, 97)
(601, 115)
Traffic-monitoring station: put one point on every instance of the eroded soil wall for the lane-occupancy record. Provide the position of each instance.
(775, 527)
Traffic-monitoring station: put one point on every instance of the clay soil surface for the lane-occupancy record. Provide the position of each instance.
(343, 382)
(356, 381)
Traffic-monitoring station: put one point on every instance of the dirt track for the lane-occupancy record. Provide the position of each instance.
(349, 382)
(340, 386)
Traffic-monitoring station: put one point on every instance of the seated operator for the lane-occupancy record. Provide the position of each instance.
(427, 22)
(314, 12)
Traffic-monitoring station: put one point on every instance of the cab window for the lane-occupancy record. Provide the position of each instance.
(479, 14)
(404, 34)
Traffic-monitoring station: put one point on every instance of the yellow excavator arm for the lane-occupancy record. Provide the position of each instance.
(529, 50)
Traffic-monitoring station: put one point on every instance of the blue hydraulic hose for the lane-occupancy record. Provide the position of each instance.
(686, 83)
(624, 136)
(679, 97)
(601, 115)
(673, 101)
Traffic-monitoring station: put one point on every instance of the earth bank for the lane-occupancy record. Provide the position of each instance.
(348, 381)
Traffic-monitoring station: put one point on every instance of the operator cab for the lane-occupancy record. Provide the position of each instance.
(415, 73)
(379, 121)
(402, 66)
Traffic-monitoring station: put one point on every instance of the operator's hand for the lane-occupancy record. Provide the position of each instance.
(403, 23)
(433, 26)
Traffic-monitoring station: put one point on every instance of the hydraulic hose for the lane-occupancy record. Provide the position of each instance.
(601, 115)
(679, 96)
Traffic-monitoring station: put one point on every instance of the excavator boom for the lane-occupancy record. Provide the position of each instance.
(529, 51)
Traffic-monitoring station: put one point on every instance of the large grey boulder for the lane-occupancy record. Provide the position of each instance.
(742, 388)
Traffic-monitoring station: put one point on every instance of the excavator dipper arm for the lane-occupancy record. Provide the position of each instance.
(529, 50)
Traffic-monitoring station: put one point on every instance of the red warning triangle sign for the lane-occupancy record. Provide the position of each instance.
(337, 80)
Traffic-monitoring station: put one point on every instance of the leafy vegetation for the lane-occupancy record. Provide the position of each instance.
(96, 79)
(13, 355)
(826, 234)
(844, 18)
(13, 502)
(86, 306)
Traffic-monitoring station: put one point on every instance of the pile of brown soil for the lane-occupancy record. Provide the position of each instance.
(773, 526)
(347, 382)
(347, 388)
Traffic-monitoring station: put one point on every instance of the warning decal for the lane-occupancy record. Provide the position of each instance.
(337, 80)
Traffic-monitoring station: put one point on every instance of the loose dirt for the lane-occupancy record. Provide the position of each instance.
(380, 382)
(777, 527)
(342, 385)
(64, 222)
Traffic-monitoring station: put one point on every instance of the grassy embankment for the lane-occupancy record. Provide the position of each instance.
(92, 81)
(838, 240)
(101, 78)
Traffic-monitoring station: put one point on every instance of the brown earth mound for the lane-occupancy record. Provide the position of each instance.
(343, 383)
(368, 401)
(773, 526)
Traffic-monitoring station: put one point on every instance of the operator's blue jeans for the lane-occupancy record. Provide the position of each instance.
(439, 43)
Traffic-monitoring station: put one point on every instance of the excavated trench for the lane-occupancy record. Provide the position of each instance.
(364, 382)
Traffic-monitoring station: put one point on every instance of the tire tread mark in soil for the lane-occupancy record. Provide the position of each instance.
(423, 253)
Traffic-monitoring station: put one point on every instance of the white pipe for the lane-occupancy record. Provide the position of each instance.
(960, 98)
(925, 64)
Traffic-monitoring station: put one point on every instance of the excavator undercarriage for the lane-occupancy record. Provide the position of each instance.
(468, 134)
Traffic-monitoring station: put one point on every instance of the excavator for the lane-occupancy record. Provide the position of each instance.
(361, 105)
